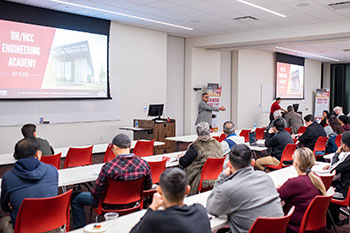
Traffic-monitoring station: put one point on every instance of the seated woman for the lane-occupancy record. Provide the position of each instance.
(325, 116)
(193, 160)
(344, 121)
(332, 130)
(300, 191)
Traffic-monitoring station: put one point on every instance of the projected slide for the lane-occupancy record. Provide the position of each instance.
(290, 81)
(45, 62)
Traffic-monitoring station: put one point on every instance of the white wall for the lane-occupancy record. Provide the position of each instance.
(175, 81)
(138, 57)
(225, 82)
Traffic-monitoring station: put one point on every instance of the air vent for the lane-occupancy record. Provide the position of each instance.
(246, 19)
(340, 5)
(346, 50)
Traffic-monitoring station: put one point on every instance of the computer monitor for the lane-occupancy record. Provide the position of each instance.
(155, 110)
(296, 107)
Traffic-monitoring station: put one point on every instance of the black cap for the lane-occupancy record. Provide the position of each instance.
(122, 141)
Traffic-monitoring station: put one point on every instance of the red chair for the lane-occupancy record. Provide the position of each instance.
(157, 167)
(122, 193)
(54, 160)
(327, 179)
(315, 215)
(222, 137)
(338, 140)
(289, 130)
(78, 157)
(344, 203)
(302, 129)
(109, 155)
(287, 155)
(271, 225)
(320, 147)
(210, 171)
(245, 133)
(43, 214)
(144, 148)
(259, 132)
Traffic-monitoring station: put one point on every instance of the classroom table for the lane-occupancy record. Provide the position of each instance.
(186, 139)
(7, 158)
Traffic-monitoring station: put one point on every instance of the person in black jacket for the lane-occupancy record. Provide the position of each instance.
(277, 139)
(176, 216)
(312, 133)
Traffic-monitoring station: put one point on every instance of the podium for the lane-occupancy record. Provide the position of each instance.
(156, 129)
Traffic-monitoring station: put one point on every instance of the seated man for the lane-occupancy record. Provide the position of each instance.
(29, 178)
(175, 216)
(293, 119)
(242, 193)
(341, 166)
(124, 166)
(29, 130)
(277, 139)
(276, 115)
(231, 139)
(312, 132)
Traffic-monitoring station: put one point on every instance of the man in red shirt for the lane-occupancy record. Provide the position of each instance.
(275, 106)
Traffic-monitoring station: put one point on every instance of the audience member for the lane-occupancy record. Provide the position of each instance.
(341, 165)
(175, 215)
(202, 148)
(312, 132)
(325, 116)
(274, 107)
(29, 130)
(29, 178)
(231, 139)
(332, 130)
(344, 121)
(276, 115)
(338, 111)
(300, 191)
(277, 139)
(123, 167)
(205, 111)
(242, 193)
(293, 119)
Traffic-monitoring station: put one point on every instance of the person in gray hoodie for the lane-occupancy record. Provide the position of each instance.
(242, 193)
(29, 178)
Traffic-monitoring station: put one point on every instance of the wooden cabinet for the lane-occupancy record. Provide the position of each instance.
(158, 130)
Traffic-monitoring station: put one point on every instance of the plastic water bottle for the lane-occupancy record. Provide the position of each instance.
(136, 123)
(254, 128)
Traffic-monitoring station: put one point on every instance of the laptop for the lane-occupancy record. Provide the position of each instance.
(253, 141)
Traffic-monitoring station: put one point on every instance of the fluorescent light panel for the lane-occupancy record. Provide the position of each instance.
(122, 14)
(309, 54)
(262, 8)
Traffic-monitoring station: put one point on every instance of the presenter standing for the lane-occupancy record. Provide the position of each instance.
(275, 106)
(205, 111)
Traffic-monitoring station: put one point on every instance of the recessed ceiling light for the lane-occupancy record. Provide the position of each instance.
(303, 4)
(305, 53)
(122, 14)
(262, 8)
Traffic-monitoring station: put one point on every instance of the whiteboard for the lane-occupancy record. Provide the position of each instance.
(267, 97)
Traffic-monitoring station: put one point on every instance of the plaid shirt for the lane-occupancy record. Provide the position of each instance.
(123, 167)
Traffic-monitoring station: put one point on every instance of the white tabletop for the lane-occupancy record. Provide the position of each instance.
(188, 138)
(7, 158)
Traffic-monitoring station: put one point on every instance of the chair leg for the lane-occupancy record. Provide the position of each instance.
(333, 223)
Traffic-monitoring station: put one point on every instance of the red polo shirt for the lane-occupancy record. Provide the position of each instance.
(275, 106)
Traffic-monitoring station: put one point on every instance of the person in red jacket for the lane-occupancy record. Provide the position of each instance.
(275, 106)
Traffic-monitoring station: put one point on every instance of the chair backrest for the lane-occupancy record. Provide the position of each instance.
(287, 154)
(54, 160)
(43, 214)
(144, 148)
(320, 146)
(327, 179)
(271, 225)
(78, 157)
(121, 193)
(211, 170)
(315, 215)
(245, 133)
(217, 138)
(302, 129)
(338, 140)
(289, 130)
(157, 167)
(259, 133)
(222, 137)
(109, 155)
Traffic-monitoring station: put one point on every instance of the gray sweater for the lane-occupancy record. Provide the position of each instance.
(205, 112)
(244, 196)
